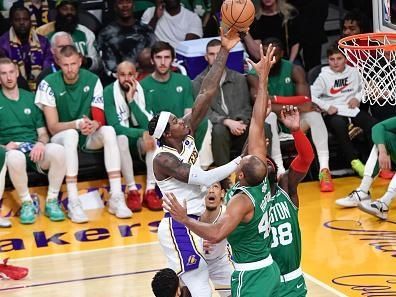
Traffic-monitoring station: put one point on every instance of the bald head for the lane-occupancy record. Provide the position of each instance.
(254, 170)
(126, 73)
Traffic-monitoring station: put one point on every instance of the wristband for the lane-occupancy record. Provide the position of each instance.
(78, 122)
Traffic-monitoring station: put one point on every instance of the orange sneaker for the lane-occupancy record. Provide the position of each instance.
(386, 174)
(133, 201)
(325, 181)
(152, 201)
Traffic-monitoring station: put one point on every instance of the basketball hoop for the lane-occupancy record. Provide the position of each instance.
(374, 55)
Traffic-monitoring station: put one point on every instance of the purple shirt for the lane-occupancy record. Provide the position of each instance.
(44, 60)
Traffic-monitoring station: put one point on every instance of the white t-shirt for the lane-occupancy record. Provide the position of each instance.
(174, 29)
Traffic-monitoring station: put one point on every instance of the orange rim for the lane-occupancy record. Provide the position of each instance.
(367, 36)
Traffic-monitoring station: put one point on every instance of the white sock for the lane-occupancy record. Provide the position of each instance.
(390, 193)
(365, 184)
(72, 190)
(115, 185)
(25, 197)
(150, 182)
(52, 193)
(323, 160)
(132, 187)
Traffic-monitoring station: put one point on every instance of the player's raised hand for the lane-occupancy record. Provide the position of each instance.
(263, 66)
(178, 212)
(290, 117)
(229, 39)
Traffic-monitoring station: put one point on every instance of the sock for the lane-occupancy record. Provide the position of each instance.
(365, 184)
(72, 191)
(323, 162)
(390, 193)
(52, 194)
(25, 197)
(132, 187)
(115, 185)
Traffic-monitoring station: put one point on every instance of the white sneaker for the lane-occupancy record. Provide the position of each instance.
(76, 212)
(4, 222)
(376, 208)
(353, 199)
(118, 207)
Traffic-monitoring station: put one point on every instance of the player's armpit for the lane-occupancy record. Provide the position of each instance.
(167, 165)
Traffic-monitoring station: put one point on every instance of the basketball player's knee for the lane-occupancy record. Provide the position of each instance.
(108, 134)
(15, 160)
(55, 153)
(123, 143)
(70, 139)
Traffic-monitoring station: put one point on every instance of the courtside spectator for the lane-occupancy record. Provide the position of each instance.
(84, 39)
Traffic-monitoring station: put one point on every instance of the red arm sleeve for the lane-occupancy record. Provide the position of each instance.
(291, 100)
(303, 160)
(98, 115)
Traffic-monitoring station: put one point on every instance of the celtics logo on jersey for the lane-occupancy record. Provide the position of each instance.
(179, 89)
(27, 111)
(86, 89)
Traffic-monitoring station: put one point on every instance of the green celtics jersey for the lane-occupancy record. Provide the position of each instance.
(250, 242)
(286, 234)
(71, 101)
(19, 119)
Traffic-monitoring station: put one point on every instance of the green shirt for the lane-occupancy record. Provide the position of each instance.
(174, 95)
(250, 242)
(286, 234)
(282, 83)
(19, 119)
(114, 118)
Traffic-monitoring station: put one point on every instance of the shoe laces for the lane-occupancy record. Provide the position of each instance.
(324, 176)
(381, 206)
(355, 194)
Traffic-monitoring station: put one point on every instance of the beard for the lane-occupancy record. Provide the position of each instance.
(67, 23)
(124, 87)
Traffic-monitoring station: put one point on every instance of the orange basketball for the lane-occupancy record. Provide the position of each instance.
(238, 14)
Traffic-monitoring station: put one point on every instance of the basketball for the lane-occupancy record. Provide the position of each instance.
(238, 14)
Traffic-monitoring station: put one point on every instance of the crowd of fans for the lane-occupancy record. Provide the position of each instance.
(131, 57)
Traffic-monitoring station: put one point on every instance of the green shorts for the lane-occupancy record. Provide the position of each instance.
(293, 288)
(2, 156)
(34, 166)
(262, 282)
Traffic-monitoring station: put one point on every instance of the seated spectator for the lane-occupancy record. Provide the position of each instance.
(166, 90)
(165, 283)
(72, 101)
(230, 111)
(124, 38)
(58, 41)
(274, 19)
(144, 64)
(172, 22)
(30, 51)
(38, 12)
(288, 80)
(84, 39)
(338, 92)
(25, 138)
(125, 111)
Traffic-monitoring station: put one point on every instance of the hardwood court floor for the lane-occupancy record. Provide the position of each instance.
(345, 252)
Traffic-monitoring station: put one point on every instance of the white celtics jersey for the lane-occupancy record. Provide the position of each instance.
(193, 194)
(219, 249)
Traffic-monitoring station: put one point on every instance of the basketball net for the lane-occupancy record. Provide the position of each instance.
(374, 55)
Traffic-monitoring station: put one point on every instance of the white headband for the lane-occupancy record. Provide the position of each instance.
(161, 124)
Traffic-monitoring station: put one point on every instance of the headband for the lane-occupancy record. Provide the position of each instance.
(161, 124)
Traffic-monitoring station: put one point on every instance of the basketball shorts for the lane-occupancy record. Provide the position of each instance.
(261, 282)
(293, 288)
(220, 271)
(182, 247)
(2, 157)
